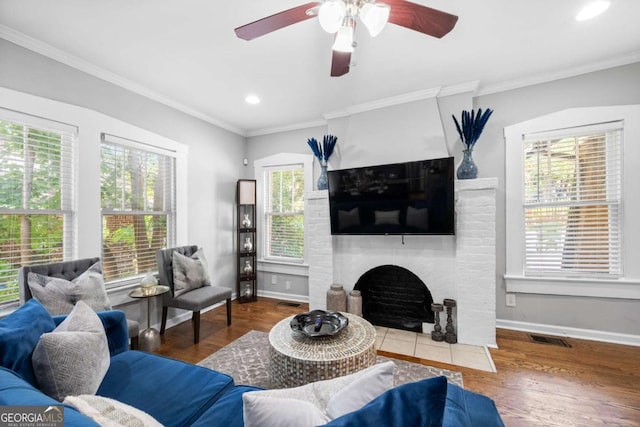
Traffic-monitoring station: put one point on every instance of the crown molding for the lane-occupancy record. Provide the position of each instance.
(559, 74)
(286, 128)
(384, 102)
(404, 98)
(354, 109)
(374, 105)
(459, 88)
(56, 54)
(475, 87)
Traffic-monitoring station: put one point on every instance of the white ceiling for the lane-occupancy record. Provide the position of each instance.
(185, 53)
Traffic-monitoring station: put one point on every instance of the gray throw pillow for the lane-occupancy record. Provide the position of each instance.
(59, 296)
(189, 273)
(73, 358)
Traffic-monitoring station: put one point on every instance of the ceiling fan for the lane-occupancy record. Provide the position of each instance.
(339, 17)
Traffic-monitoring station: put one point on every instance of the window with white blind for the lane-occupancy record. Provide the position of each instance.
(36, 195)
(283, 180)
(284, 213)
(572, 201)
(138, 196)
(572, 180)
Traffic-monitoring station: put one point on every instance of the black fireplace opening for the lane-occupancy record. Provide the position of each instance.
(394, 297)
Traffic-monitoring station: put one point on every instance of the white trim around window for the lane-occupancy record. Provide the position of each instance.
(628, 284)
(260, 165)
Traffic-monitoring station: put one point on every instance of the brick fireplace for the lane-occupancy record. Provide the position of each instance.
(461, 267)
(394, 297)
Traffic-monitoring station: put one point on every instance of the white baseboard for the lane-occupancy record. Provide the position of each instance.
(563, 331)
(287, 297)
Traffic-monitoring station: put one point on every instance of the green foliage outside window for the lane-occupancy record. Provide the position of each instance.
(31, 175)
(285, 213)
(135, 220)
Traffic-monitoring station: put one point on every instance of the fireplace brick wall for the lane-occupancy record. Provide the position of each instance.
(461, 267)
(319, 246)
(475, 273)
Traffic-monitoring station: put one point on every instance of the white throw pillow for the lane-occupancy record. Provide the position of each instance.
(362, 390)
(73, 358)
(110, 412)
(59, 296)
(330, 398)
(265, 411)
(189, 273)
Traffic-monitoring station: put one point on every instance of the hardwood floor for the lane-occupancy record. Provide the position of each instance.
(589, 384)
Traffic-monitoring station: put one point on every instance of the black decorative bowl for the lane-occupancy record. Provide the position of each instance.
(319, 323)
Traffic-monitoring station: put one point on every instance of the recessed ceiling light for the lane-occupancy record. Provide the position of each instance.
(593, 9)
(252, 99)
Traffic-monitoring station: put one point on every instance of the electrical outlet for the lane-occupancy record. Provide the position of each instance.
(511, 300)
(274, 280)
(287, 284)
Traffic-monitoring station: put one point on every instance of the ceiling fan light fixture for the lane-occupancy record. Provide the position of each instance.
(344, 38)
(331, 15)
(592, 9)
(338, 18)
(374, 16)
(252, 99)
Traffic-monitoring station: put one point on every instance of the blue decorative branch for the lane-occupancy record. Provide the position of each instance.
(472, 126)
(325, 150)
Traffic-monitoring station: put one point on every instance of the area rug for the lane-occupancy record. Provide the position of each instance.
(246, 360)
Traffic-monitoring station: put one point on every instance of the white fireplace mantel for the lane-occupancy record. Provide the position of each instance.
(461, 267)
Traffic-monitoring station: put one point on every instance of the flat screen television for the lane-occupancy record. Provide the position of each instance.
(401, 198)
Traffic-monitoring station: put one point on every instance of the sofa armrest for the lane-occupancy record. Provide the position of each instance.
(115, 325)
(466, 408)
(14, 391)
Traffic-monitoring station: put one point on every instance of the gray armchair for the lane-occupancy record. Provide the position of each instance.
(194, 300)
(67, 270)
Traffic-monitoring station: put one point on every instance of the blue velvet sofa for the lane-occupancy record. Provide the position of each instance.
(181, 394)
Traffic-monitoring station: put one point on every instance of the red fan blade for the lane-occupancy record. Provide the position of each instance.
(340, 63)
(275, 22)
(420, 18)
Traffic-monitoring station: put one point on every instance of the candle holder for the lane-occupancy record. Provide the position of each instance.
(437, 334)
(450, 334)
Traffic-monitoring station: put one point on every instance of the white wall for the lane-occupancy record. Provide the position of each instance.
(398, 133)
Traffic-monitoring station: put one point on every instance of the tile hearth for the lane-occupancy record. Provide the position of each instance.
(422, 346)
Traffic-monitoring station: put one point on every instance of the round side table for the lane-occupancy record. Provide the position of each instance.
(296, 359)
(149, 339)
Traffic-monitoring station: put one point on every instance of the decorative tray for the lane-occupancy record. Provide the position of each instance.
(319, 323)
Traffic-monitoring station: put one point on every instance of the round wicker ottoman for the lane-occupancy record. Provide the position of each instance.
(297, 360)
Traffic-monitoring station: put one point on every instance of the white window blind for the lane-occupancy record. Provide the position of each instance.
(572, 202)
(138, 205)
(36, 195)
(284, 213)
